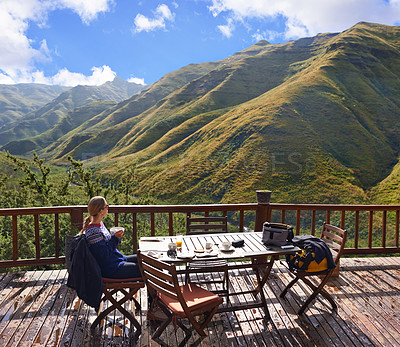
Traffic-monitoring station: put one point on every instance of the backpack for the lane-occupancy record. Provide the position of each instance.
(315, 255)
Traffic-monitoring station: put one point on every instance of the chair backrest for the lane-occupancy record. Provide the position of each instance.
(335, 238)
(160, 277)
(206, 225)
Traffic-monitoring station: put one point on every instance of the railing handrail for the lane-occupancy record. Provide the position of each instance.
(129, 208)
(334, 207)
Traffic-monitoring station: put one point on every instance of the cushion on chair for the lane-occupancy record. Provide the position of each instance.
(195, 298)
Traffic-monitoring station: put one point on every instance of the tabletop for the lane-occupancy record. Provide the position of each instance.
(194, 247)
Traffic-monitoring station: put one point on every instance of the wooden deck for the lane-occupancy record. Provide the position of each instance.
(37, 309)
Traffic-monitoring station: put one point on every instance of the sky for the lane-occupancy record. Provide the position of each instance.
(89, 42)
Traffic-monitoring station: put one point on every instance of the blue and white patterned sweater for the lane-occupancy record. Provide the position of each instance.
(103, 246)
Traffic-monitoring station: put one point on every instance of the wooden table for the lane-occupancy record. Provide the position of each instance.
(261, 259)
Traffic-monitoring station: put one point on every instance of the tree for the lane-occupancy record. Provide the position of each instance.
(81, 176)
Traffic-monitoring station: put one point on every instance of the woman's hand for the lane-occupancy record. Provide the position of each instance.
(119, 233)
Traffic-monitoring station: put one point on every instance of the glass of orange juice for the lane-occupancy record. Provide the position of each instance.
(179, 239)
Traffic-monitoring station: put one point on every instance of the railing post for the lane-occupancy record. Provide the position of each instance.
(76, 220)
(263, 211)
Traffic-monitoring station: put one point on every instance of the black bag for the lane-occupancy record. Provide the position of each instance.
(277, 234)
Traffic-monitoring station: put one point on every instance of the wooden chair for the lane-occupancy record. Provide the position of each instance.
(128, 288)
(177, 301)
(335, 238)
(208, 225)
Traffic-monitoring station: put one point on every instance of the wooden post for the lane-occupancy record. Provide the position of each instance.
(76, 220)
(263, 211)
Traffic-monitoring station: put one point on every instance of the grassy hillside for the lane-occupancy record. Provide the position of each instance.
(323, 130)
(20, 99)
(49, 115)
(50, 138)
(103, 131)
(387, 191)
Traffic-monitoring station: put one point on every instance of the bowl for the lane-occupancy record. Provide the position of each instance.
(226, 245)
(113, 230)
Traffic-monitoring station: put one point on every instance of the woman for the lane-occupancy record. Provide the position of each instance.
(103, 245)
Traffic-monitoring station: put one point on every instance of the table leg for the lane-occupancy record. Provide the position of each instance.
(267, 271)
(259, 289)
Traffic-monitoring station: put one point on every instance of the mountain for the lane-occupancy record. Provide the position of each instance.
(66, 124)
(47, 116)
(18, 100)
(313, 120)
(102, 132)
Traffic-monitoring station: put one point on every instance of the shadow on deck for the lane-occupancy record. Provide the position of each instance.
(36, 308)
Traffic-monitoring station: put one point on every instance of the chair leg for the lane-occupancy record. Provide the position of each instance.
(316, 291)
(117, 305)
(197, 326)
(209, 317)
(290, 285)
(162, 327)
(226, 280)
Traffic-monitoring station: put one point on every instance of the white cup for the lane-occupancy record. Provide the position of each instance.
(172, 246)
(209, 245)
(226, 245)
(113, 230)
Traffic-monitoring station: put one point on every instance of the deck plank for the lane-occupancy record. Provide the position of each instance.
(33, 315)
(370, 290)
(36, 308)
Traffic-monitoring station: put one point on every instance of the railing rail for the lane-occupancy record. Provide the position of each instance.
(374, 229)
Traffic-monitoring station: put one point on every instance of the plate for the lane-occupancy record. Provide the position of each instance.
(231, 249)
(207, 255)
(185, 256)
(150, 239)
(154, 254)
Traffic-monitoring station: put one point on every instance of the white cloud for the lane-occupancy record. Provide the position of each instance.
(161, 15)
(136, 80)
(310, 17)
(86, 9)
(227, 29)
(64, 77)
(267, 35)
(99, 76)
(20, 53)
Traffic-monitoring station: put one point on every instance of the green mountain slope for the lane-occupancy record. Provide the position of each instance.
(102, 132)
(46, 117)
(387, 191)
(20, 99)
(51, 137)
(326, 123)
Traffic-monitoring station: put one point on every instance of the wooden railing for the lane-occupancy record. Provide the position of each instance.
(369, 226)
(75, 215)
(374, 229)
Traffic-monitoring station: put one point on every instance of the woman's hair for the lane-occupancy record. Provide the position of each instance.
(94, 206)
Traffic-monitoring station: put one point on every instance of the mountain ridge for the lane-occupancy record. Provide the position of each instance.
(19, 99)
(46, 117)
